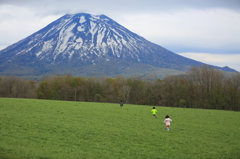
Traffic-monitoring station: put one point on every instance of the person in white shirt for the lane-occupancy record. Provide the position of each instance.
(167, 122)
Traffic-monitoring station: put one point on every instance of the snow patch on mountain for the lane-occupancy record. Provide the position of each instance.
(82, 19)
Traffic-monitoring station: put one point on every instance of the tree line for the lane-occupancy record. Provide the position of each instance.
(203, 87)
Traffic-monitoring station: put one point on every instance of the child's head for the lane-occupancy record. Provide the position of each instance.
(166, 116)
(153, 107)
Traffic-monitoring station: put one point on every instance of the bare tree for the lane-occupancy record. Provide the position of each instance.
(16, 87)
(233, 92)
(125, 90)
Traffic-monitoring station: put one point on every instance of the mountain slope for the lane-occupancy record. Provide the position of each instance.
(81, 41)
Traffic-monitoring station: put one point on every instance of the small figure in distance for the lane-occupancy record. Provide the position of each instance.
(167, 122)
(121, 104)
(154, 112)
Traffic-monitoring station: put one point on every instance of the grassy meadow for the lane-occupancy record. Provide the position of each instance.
(47, 129)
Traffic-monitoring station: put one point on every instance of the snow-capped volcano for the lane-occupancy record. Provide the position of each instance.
(77, 40)
(80, 37)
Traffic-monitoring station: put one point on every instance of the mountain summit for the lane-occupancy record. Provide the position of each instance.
(83, 45)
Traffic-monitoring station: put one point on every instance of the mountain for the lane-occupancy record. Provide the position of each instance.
(90, 45)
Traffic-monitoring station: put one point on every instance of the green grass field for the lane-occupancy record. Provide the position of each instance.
(47, 129)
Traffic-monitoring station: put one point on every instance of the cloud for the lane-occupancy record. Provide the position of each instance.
(126, 5)
(14, 27)
(209, 29)
(230, 60)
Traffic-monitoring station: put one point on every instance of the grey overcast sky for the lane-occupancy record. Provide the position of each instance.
(203, 30)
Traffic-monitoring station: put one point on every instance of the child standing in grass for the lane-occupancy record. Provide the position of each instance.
(121, 104)
(154, 112)
(167, 122)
